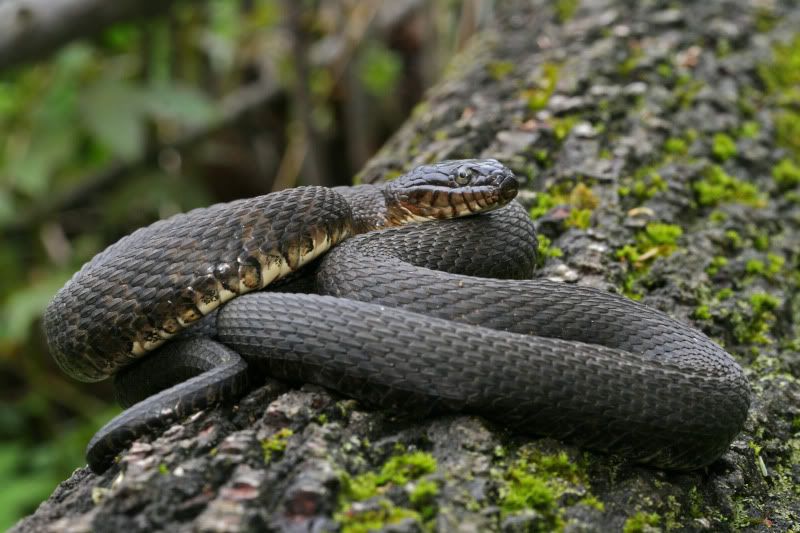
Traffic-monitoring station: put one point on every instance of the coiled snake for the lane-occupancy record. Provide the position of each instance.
(402, 320)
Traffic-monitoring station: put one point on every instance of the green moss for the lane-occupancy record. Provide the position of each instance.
(423, 498)
(580, 197)
(398, 470)
(544, 203)
(765, 19)
(717, 216)
(628, 253)
(763, 302)
(702, 312)
(695, 503)
(565, 9)
(676, 146)
(536, 481)
(750, 326)
(686, 89)
(723, 147)
(631, 62)
(733, 239)
(775, 264)
(628, 283)
(645, 183)
(750, 129)
(716, 187)
(499, 70)
(556, 465)
(641, 522)
(276, 444)
(755, 267)
(761, 241)
(657, 234)
(593, 502)
(562, 127)
(655, 240)
(786, 174)
(545, 250)
(423, 492)
(787, 131)
(401, 469)
(579, 218)
(537, 97)
(583, 197)
(770, 269)
(783, 72)
(665, 70)
(527, 491)
(724, 294)
(716, 264)
(163, 469)
(781, 78)
(723, 47)
(363, 521)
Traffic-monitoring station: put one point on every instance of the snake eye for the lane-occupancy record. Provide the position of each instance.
(464, 176)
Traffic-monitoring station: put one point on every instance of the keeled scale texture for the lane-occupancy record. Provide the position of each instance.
(93, 322)
(567, 361)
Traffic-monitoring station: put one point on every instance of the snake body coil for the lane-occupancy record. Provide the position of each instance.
(402, 321)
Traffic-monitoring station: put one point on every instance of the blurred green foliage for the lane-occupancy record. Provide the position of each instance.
(109, 101)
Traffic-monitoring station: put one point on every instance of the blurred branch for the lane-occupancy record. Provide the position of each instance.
(32, 29)
(315, 157)
(234, 107)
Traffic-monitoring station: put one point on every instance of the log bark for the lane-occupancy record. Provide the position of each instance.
(630, 101)
(31, 29)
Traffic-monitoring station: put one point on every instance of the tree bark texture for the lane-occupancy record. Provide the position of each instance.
(625, 120)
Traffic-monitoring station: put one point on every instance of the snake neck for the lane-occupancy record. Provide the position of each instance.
(373, 207)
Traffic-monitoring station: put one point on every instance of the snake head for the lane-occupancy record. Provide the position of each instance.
(451, 189)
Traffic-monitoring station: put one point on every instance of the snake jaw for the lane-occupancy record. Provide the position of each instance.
(450, 189)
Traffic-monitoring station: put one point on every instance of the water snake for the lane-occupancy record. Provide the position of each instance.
(412, 317)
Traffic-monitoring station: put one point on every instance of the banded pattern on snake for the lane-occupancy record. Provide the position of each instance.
(403, 320)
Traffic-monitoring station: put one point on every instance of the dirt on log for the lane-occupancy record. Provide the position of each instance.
(659, 146)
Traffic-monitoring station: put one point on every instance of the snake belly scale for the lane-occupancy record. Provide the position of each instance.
(412, 316)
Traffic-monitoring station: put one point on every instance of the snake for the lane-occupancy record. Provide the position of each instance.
(416, 295)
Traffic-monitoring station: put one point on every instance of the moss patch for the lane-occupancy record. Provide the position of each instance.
(580, 198)
(536, 481)
(643, 185)
(723, 147)
(565, 9)
(641, 523)
(717, 186)
(276, 444)
(372, 519)
(403, 470)
(786, 174)
(538, 96)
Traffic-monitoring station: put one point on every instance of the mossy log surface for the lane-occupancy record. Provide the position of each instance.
(660, 152)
